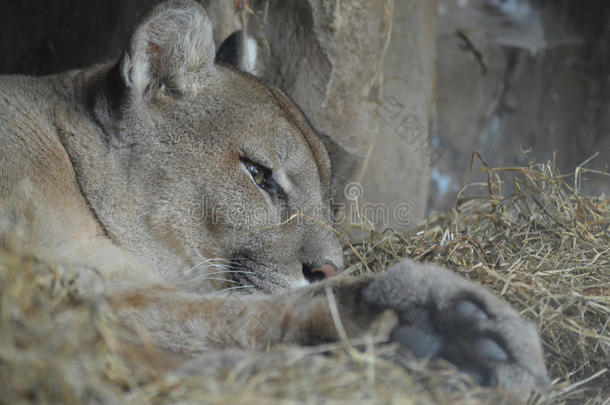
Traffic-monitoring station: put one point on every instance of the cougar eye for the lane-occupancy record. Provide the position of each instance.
(262, 176)
(256, 171)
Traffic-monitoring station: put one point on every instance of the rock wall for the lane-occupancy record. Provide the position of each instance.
(519, 74)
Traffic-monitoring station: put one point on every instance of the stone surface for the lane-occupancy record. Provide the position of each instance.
(530, 75)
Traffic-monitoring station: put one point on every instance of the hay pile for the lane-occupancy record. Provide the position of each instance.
(545, 249)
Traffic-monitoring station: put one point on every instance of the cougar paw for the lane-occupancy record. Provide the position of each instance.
(456, 334)
(444, 316)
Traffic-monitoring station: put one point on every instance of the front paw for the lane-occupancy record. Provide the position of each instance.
(443, 315)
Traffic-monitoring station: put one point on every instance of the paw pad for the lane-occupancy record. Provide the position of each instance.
(420, 342)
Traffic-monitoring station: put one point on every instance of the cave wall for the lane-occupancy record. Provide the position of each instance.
(522, 75)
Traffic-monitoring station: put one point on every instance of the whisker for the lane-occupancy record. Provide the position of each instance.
(231, 272)
(213, 262)
(208, 264)
(219, 279)
(239, 287)
(213, 268)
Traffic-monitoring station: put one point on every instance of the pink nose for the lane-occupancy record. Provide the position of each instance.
(329, 270)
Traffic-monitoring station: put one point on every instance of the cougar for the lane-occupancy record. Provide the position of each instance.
(202, 196)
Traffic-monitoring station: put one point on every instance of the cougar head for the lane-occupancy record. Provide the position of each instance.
(216, 178)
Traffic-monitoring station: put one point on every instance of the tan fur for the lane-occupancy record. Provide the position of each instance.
(142, 183)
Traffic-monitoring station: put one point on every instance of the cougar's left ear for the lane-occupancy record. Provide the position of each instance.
(171, 49)
(240, 51)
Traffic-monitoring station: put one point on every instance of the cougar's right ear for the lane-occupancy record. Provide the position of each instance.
(240, 51)
(343, 165)
(172, 50)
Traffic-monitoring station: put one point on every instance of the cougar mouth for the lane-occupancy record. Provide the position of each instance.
(249, 278)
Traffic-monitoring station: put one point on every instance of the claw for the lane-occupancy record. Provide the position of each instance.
(467, 309)
(491, 350)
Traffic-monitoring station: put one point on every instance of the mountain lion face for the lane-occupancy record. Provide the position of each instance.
(223, 169)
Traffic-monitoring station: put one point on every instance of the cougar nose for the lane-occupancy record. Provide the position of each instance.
(313, 274)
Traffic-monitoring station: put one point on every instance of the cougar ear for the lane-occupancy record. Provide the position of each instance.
(172, 49)
(343, 166)
(240, 51)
